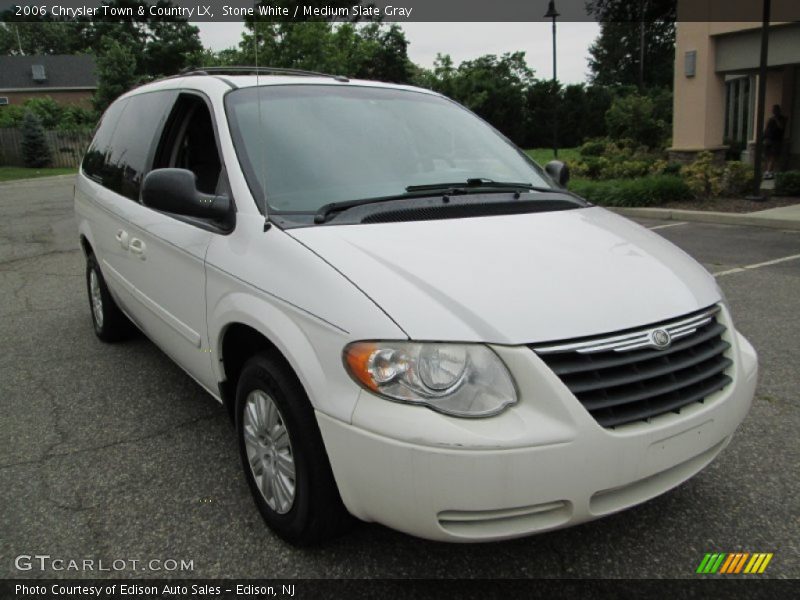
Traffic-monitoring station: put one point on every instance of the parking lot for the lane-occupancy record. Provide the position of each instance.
(112, 452)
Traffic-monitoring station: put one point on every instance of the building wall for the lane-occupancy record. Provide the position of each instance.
(699, 101)
(82, 97)
(732, 15)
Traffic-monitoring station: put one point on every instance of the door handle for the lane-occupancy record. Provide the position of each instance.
(137, 247)
(122, 238)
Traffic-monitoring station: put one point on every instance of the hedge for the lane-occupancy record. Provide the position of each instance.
(787, 183)
(653, 190)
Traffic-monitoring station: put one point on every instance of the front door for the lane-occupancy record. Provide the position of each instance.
(167, 253)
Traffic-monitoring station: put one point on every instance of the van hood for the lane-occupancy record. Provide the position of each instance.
(516, 279)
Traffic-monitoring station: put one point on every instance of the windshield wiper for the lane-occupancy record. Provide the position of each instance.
(327, 211)
(471, 186)
(478, 183)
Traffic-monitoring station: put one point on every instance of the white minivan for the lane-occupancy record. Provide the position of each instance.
(409, 321)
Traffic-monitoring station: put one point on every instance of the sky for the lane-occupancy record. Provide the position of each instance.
(465, 41)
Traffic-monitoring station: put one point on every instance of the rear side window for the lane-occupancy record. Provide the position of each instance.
(126, 159)
(135, 136)
(95, 159)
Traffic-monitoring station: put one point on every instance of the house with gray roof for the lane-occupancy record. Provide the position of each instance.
(68, 79)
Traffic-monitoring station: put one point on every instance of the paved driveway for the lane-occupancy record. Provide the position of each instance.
(111, 452)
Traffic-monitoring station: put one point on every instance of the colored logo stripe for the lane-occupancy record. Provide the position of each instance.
(758, 563)
(734, 563)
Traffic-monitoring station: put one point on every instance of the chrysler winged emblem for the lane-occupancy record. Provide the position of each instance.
(660, 338)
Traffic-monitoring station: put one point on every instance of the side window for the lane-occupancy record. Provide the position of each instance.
(189, 143)
(134, 138)
(95, 158)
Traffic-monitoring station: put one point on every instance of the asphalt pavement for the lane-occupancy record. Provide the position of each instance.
(110, 452)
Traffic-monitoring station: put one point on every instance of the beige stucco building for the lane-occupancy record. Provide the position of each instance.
(716, 83)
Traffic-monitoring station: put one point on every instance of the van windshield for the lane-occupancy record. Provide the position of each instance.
(306, 145)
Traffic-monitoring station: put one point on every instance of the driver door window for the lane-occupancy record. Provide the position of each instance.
(189, 143)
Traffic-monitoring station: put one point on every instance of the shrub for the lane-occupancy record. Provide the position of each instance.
(51, 114)
(663, 167)
(708, 179)
(737, 178)
(591, 167)
(77, 118)
(604, 158)
(11, 115)
(613, 149)
(652, 190)
(704, 177)
(626, 169)
(787, 183)
(637, 117)
(593, 147)
(35, 152)
(48, 110)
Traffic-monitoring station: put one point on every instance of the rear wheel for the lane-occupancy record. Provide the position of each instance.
(283, 455)
(110, 323)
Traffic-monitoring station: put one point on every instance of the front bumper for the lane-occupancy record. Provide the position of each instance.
(541, 465)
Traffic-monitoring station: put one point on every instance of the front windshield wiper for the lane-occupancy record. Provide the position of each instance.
(327, 211)
(480, 183)
(471, 186)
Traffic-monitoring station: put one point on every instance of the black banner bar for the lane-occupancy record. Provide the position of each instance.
(383, 10)
(353, 589)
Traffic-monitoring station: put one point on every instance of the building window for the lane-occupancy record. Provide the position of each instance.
(3, 100)
(37, 71)
(739, 105)
(690, 63)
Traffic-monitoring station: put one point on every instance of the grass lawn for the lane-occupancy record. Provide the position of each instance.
(545, 155)
(11, 173)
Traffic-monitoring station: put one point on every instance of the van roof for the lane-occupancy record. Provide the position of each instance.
(248, 76)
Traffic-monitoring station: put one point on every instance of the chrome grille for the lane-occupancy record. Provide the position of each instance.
(626, 377)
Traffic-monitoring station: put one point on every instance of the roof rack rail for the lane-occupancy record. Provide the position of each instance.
(246, 70)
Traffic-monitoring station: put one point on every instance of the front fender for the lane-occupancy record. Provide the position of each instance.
(311, 346)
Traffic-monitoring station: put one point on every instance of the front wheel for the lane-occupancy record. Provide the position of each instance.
(283, 455)
(110, 323)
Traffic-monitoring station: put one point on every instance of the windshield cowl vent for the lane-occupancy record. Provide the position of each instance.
(463, 211)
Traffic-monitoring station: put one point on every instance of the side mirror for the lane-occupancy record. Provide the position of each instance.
(559, 171)
(175, 191)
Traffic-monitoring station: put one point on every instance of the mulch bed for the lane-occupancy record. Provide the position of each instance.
(733, 205)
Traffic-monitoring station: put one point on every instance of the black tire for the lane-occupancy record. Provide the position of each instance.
(317, 513)
(114, 326)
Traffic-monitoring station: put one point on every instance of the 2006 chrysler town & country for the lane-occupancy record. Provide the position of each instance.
(408, 320)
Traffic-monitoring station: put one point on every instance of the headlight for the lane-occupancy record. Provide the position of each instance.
(464, 380)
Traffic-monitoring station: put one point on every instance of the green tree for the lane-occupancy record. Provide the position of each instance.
(542, 98)
(47, 110)
(369, 51)
(116, 70)
(219, 58)
(38, 36)
(76, 117)
(628, 27)
(494, 87)
(161, 47)
(11, 115)
(35, 151)
(639, 118)
(384, 53)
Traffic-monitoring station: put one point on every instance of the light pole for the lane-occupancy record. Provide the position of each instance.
(552, 13)
(762, 95)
